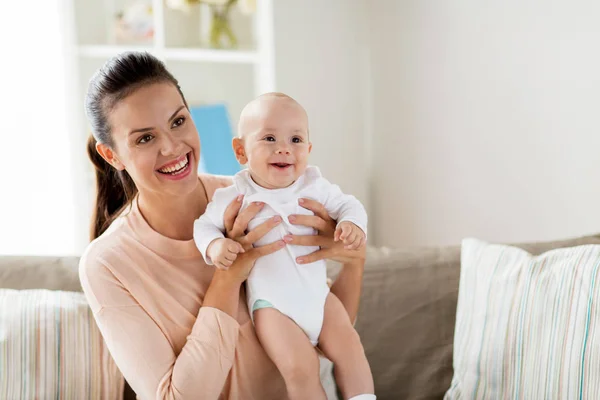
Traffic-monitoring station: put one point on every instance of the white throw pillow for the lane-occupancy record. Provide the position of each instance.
(51, 348)
(527, 327)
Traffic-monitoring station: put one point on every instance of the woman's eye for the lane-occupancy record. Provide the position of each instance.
(178, 122)
(145, 139)
(270, 139)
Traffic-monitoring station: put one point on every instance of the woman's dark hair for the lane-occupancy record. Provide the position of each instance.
(117, 79)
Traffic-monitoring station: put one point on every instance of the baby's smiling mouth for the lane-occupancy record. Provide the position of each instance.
(281, 165)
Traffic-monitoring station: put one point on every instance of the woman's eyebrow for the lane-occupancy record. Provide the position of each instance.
(140, 130)
(175, 113)
(150, 128)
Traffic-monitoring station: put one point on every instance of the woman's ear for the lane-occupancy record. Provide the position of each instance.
(109, 156)
(239, 151)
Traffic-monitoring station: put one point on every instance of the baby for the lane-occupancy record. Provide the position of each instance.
(290, 304)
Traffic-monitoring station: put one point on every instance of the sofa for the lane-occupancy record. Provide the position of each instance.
(406, 317)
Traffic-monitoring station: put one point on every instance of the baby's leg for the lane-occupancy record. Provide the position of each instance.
(291, 351)
(341, 344)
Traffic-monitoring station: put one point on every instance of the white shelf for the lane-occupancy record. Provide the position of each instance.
(211, 55)
(105, 51)
(175, 54)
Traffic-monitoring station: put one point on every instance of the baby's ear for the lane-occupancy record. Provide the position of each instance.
(239, 151)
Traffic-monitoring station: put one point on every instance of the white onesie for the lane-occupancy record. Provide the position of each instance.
(296, 290)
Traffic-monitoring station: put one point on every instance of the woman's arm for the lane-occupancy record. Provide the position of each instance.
(142, 351)
(223, 292)
(145, 355)
(348, 285)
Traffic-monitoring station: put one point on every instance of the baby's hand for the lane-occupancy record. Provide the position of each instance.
(352, 236)
(223, 252)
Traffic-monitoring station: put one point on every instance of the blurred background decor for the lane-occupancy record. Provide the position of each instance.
(215, 25)
(134, 24)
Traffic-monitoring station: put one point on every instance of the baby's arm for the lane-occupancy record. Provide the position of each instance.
(209, 228)
(349, 213)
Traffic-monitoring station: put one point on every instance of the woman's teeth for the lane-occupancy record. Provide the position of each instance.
(175, 168)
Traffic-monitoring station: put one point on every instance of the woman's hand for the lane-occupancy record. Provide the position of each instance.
(325, 227)
(236, 223)
(239, 270)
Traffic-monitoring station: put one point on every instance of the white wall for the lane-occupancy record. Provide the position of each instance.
(485, 120)
(37, 198)
(320, 59)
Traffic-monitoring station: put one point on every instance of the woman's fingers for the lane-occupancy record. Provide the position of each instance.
(309, 240)
(241, 221)
(315, 207)
(311, 221)
(231, 212)
(244, 263)
(316, 256)
(257, 252)
(257, 233)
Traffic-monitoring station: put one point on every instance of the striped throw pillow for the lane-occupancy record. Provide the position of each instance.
(51, 348)
(527, 327)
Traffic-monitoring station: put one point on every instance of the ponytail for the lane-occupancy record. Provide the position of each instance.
(114, 191)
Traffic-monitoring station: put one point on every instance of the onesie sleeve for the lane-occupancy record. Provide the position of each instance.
(343, 207)
(210, 226)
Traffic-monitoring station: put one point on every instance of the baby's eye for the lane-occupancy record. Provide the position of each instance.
(178, 122)
(145, 139)
(296, 139)
(269, 138)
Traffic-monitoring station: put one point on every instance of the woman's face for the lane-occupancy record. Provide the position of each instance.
(156, 141)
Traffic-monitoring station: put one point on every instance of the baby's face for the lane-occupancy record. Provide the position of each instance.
(275, 142)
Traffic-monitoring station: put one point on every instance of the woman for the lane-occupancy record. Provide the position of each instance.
(176, 328)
